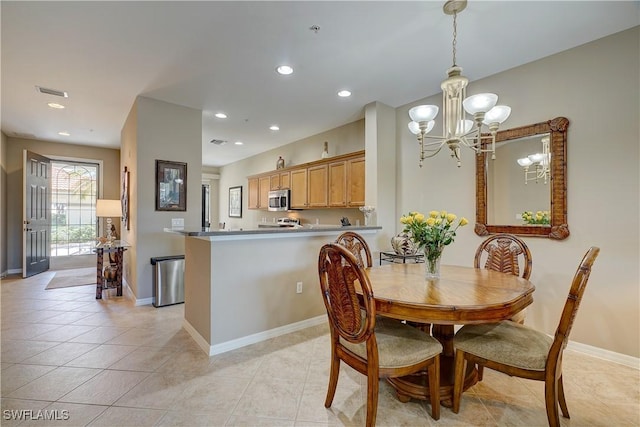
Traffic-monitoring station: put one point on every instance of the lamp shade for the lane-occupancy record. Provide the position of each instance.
(524, 162)
(480, 103)
(423, 113)
(497, 114)
(108, 208)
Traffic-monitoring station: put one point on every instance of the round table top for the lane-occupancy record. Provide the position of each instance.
(462, 294)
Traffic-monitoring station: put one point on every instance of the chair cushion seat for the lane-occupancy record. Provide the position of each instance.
(505, 342)
(398, 344)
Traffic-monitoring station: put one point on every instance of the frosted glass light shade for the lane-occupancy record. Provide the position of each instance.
(464, 126)
(423, 113)
(480, 103)
(537, 157)
(524, 162)
(414, 127)
(497, 114)
(108, 208)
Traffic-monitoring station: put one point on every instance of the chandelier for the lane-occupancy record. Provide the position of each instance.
(540, 163)
(457, 129)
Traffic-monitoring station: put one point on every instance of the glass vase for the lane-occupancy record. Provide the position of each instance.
(432, 256)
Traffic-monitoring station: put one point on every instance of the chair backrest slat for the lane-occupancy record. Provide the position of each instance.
(356, 244)
(503, 252)
(339, 272)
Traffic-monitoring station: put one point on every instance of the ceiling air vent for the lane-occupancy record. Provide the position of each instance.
(218, 141)
(54, 92)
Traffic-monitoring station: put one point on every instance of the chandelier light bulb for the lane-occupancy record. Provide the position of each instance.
(423, 113)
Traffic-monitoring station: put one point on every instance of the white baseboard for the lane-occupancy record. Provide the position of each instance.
(15, 271)
(250, 339)
(199, 339)
(622, 359)
(143, 301)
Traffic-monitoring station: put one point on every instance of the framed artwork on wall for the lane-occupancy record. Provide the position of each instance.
(235, 202)
(171, 186)
(124, 198)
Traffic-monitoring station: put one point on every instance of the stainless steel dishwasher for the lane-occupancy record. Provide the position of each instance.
(168, 280)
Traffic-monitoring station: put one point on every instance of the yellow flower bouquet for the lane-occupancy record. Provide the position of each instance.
(540, 217)
(432, 234)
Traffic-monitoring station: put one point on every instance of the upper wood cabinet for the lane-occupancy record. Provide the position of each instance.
(317, 186)
(298, 187)
(338, 184)
(280, 180)
(254, 193)
(329, 183)
(355, 182)
(264, 183)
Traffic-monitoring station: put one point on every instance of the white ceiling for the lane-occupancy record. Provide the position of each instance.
(221, 56)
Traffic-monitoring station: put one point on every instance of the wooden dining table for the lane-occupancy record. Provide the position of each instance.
(462, 295)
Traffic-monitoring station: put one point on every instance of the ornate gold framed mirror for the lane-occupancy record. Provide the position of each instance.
(524, 190)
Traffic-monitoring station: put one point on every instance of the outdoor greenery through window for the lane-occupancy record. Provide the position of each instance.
(74, 190)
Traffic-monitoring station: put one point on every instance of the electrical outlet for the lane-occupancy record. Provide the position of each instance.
(299, 287)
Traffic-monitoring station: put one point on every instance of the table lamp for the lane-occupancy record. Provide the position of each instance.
(108, 208)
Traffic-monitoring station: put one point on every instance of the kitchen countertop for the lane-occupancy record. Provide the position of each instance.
(310, 228)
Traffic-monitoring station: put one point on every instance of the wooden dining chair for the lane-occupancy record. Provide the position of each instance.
(358, 247)
(508, 254)
(520, 351)
(377, 347)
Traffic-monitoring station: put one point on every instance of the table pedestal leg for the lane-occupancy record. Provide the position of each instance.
(417, 386)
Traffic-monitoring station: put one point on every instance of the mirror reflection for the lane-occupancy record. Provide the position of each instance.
(524, 190)
(518, 182)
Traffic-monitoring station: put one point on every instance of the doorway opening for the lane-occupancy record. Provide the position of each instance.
(74, 191)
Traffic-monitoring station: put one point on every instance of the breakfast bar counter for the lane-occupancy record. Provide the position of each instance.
(272, 230)
(245, 286)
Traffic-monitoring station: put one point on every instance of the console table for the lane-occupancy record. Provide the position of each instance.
(115, 250)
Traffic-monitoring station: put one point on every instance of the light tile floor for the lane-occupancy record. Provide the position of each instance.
(109, 363)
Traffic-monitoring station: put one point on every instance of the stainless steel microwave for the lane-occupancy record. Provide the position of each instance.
(279, 200)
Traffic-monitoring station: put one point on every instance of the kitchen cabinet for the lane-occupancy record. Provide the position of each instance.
(298, 189)
(336, 182)
(355, 181)
(264, 184)
(279, 181)
(317, 186)
(254, 193)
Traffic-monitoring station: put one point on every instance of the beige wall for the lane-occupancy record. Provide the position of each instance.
(3, 205)
(596, 87)
(342, 140)
(157, 130)
(14, 164)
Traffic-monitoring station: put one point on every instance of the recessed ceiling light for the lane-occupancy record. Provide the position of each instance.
(285, 70)
(238, 142)
(55, 105)
(274, 127)
(64, 133)
(344, 93)
(221, 115)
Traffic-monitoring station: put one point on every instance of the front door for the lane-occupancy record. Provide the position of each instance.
(36, 218)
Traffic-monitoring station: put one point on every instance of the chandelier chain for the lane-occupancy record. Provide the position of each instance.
(455, 37)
